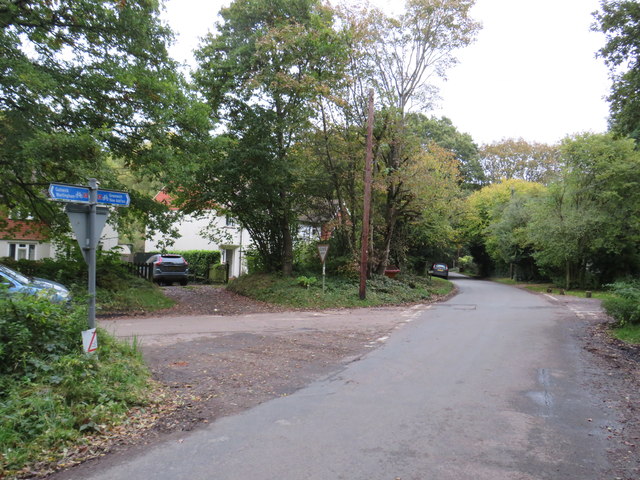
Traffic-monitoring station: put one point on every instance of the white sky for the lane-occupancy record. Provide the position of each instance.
(532, 72)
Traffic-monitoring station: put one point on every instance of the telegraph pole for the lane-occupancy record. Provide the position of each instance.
(364, 254)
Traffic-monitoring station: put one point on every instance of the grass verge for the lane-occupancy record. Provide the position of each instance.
(134, 295)
(627, 333)
(306, 292)
(545, 287)
(54, 398)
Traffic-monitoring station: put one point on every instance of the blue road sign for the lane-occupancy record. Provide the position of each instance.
(79, 194)
(109, 197)
(69, 193)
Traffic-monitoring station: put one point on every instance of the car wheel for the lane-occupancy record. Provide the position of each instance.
(184, 282)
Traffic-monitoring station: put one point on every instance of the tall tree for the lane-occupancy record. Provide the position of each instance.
(588, 225)
(410, 51)
(263, 74)
(517, 158)
(80, 81)
(442, 132)
(619, 20)
(493, 223)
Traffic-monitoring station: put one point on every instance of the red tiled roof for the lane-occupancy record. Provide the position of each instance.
(23, 230)
(163, 197)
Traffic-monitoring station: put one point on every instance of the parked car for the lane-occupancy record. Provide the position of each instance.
(168, 268)
(440, 270)
(16, 282)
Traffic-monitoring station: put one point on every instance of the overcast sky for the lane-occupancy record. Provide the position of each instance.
(532, 73)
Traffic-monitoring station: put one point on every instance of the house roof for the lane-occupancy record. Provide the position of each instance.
(163, 197)
(29, 230)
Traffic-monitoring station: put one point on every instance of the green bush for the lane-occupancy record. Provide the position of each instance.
(306, 282)
(624, 306)
(32, 329)
(466, 264)
(218, 274)
(255, 262)
(51, 393)
(110, 270)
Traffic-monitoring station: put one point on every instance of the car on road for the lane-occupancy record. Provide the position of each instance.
(167, 268)
(13, 282)
(440, 270)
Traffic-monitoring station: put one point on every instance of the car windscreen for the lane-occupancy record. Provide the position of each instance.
(16, 276)
(440, 265)
(172, 260)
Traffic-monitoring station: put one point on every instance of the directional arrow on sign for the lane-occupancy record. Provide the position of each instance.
(80, 194)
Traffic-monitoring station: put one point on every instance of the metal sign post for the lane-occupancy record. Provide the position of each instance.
(322, 250)
(92, 240)
(87, 221)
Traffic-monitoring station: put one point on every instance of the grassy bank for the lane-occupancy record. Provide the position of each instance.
(306, 292)
(54, 398)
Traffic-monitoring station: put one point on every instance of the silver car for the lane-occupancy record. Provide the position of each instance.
(16, 282)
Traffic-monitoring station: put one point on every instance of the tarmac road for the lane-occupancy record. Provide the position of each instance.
(489, 385)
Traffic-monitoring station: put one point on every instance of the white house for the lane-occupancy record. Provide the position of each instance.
(29, 240)
(206, 232)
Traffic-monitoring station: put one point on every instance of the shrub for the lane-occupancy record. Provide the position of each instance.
(624, 306)
(51, 393)
(466, 264)
(306, 282)
(218, 273)
(32, 329)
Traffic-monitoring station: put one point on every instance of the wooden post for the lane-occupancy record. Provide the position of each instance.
(364, 257)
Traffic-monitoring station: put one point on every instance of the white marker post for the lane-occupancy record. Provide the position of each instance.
(322, 250)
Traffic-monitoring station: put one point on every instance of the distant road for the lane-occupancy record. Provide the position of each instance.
(487, 386)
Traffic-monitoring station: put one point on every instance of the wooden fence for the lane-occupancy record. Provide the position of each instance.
(142, 270)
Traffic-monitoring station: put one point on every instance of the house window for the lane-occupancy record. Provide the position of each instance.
(229, 221)
(22, 251)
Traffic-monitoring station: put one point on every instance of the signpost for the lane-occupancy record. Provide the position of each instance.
(322, 250)
(79, 194)
(87, 221)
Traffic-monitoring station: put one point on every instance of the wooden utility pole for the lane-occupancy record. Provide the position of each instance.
(364, 255)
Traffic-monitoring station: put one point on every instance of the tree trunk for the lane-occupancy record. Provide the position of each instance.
(391, 219)
(287, 249)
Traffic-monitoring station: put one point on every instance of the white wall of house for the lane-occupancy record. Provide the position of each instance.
(25, 249)
(37, 250)
(231, 240)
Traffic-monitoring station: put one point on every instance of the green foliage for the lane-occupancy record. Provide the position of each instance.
(306, 257)
(83, 82)
(219, 273)
(117, 289)
(624, 306)
(619, 20)
(627, 333)
(339, 291)
(31, 329)
(287, 54)
(442, 132)
(306, 282)
(586, 228)
(467, 265)
(516, 158)
(495, 221)
(51, 393)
